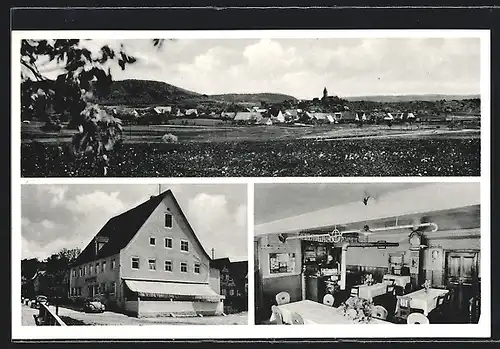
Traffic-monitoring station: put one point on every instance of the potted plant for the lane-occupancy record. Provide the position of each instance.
(426, 285)
(357, 309)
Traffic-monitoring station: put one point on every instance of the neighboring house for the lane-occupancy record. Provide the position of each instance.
(291, 114)
(179, 113)
(278, 117)
(162, 110)
(324, 118)
(148, 261)
(246, 116)
(265, 121)
(191, 112)
(361, 115)
(227, 115)
(234, 283)
(389, 117)
(348, 116)
(40, 283)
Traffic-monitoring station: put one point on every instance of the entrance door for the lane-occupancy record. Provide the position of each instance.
(461, 272)
(91, 291)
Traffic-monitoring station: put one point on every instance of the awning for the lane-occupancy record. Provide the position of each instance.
(173, 290)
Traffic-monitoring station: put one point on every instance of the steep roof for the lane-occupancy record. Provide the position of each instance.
(120, 229)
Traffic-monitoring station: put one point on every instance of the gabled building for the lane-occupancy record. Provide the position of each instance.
(162, 110)
(40, 283)
(248, 117)
(265, 121)
(191, 112)
(278, 117)
(234, 283)
(148, 261)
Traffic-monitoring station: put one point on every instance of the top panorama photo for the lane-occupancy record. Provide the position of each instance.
(250, 107)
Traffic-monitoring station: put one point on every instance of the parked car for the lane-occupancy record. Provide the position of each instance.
(93, 306)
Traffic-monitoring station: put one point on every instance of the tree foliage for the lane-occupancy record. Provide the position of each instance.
(83, 75)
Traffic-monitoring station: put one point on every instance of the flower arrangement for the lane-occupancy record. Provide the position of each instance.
(357, 309)
(426, 285)
(368, 280)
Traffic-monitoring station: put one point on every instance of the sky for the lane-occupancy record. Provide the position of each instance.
(277, 201)
(69, 216)
(303, 67)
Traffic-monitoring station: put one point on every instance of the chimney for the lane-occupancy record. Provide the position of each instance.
(213, 253)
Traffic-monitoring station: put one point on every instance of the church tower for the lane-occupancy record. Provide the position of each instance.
(325, 93)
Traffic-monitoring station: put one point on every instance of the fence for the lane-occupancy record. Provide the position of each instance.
(47, 317)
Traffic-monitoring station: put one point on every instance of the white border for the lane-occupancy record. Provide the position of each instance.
(483, 329)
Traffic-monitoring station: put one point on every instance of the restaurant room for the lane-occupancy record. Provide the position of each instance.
(378, 254)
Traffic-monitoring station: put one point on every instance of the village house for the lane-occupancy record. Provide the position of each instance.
(248, 117)
(265, 121)
(191, 112)
(148, 261)
(40, 283)
(278, 117)
(162, 110)
(291, 115)
(234, 283)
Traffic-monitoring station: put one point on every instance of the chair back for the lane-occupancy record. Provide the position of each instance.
(440, 300)
(355, 291)
(328, 299)
(379, 312)
(277, 316)
(391, 283)
(403, 307)
(417, 319)
(297, 319)
(282, 298)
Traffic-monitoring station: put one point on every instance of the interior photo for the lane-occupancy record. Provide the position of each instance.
(377, 253)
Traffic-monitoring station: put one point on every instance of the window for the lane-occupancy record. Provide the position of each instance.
(281, 263)
(168, 220)
(184, 267)
(152, 241)
(135, 262)
(84, 270)
(113, 264)
(112, 289)
(103, 288)
(184, 245)
(97, 268)
(238, 293)
(168, 242)
(231, 292)
(168, 265)
(81, 272)
(152, 264)
(73, 272)
(90, 269)
(223, 291)
(197, 268)
(103, 268)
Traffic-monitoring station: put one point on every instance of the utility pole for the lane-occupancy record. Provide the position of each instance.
(213, 253)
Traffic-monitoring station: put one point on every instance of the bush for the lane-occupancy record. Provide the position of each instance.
(169, 138)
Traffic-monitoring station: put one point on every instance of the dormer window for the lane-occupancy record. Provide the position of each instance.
(168, 220)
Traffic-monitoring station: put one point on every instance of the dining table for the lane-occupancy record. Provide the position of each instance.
(399, 280)
(318, 313)
(369, 292)
(426, 301)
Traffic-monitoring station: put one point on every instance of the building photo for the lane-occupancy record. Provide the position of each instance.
(135, 254)
(367, 253)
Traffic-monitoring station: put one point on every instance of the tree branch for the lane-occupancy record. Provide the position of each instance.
(35, 72)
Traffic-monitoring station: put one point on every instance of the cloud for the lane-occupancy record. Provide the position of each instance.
(217, 225)
(56, 216)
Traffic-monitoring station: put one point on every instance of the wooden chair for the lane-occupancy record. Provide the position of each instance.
(282, 298)
(391, 283)
(403, 308)
(328, 300)
(277, 316)
(354, 291)
(417, 319)
(474, 308)
(297, 319)
(379, 312)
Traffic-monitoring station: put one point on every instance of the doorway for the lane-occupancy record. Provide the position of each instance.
(462, 277)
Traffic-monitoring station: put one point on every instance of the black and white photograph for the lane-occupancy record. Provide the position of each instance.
(367, 253)
(134, 255)
(270, 106)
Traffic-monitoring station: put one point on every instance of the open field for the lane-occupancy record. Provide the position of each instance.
(425, 155)
(203, 130)
(108, 318)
